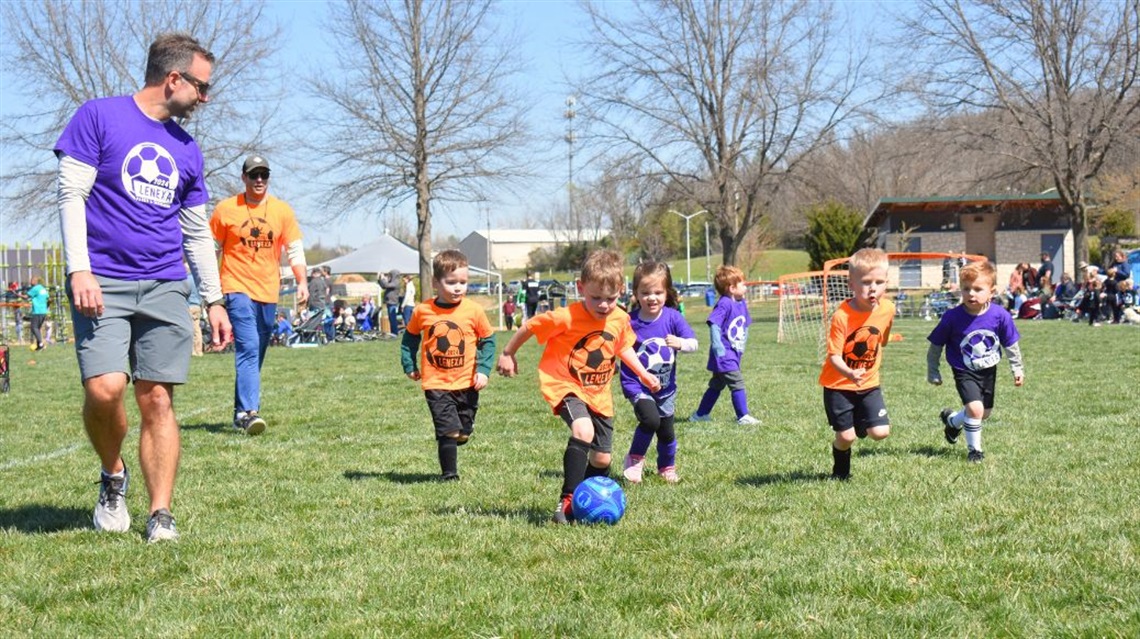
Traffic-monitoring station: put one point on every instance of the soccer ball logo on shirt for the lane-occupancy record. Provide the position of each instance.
(150, 174)
(445, 345)
(256, 234)
(862, 347)
(980, 350)
(737, 333)
(657, 357)
(592, 359)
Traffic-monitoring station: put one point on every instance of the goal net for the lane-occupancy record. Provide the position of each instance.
(807, 300)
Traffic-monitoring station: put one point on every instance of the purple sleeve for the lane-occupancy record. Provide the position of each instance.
(941, 333)
(680, 327)
(81, 138)
(1008, 331)
(719, 313)
(195, 193)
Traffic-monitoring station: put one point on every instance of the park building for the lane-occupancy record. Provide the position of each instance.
(509, 249)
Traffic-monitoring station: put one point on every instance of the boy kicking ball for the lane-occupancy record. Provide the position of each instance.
(973, 334)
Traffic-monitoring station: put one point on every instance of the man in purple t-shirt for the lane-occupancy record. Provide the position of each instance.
(132, 199)
(728, 333)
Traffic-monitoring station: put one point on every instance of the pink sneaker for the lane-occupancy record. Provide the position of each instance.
(631, 468)
(669, 474)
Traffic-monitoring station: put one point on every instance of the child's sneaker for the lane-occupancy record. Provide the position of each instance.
(669, 474)
(160, 527)
(564, 512)
(249, 423)
(632, 466)
(975, 456)
(111, 510)
(697, 417)
(948, 431)
(748, 420)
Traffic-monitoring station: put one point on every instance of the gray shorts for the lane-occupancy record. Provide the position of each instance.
(144, 331)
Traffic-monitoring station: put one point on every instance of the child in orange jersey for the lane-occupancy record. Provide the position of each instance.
(458, 348)
(860, 327)
(583, 342)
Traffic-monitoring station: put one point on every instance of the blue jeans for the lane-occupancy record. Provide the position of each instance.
(393, 318)
(253, 324)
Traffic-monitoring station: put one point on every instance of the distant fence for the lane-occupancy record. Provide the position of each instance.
(18, 265)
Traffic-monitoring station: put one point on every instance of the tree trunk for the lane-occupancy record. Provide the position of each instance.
(1080, 224)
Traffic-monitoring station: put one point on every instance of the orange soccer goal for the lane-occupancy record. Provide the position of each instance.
(807, 300)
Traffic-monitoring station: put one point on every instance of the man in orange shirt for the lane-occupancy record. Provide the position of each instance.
(860, 327)
(252, 229)
(583, 342)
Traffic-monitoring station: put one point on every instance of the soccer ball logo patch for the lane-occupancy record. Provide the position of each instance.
(980, 350)
(150, 175)
(657, 358)
(592, 359)
(256, 234)
(737, 333)
(445, 345)
(862, 347)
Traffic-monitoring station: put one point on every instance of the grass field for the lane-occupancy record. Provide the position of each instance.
(332, 523)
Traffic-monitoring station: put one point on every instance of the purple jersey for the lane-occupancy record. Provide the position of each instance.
(974, 342)
(146, 171)
(658, 359)
(733, 319)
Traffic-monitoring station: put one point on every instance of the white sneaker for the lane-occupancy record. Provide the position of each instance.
(748, 420)
(160, 527)
(111, 510)
(632, 467)
(697, 417)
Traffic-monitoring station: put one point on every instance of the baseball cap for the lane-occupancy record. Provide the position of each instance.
(254, 162)
(1083, 265)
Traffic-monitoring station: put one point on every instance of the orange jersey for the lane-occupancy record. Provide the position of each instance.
(581, 354)
(858, 336)
(448, 343)
(251, 239)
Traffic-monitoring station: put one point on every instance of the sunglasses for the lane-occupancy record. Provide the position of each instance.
(258, 175)
(203, 88)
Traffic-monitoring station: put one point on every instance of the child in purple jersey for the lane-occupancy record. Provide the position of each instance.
(973, 334)
(728, 334)
(661, 331)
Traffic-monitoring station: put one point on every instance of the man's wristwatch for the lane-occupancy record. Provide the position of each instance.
(221, 301)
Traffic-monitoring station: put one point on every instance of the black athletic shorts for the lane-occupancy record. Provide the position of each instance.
(859, 409)
(976, 386)
(573, 408)
(453, 410)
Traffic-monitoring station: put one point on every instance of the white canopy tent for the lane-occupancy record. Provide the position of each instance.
(384, 255)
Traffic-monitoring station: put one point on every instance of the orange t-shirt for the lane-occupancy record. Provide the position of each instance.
(859, 337)
(449, 343)
(251, 239)
(581, 354)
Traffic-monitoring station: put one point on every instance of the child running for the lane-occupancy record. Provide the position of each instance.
(661, 330)
(860, 327)
(728, 334)
(458, 348)
(973, 334)
(583, 340)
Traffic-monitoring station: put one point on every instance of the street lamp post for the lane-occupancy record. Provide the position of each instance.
(688, 245)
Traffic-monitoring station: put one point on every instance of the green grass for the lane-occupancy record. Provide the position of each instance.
(331, 524)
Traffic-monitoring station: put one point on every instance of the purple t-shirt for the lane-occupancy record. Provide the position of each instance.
(658, 358)
(146, 171)
(733, 319)
(974, 342)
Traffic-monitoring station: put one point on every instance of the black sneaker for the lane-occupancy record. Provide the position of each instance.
(564, 512)
(249, 423)
(975, 456)
(449, 477)
(948, 431)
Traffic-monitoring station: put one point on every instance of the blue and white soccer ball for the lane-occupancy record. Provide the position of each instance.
(656, 356)
(598, 500)
(980, 350)
(737, 332)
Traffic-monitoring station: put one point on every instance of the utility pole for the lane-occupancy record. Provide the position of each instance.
(688, 245)
(571, 101)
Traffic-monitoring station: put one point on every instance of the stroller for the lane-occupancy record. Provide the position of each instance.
(312, 330)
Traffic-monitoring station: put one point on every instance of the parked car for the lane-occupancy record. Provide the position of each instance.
(694, 289)
(478, 288)
(553, 288)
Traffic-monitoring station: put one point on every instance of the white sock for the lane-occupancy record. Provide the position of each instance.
(957, 418)
(973, 434)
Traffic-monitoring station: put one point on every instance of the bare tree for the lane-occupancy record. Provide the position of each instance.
(66, 52)
(420, 109)
(1059, 75)
(724, 97)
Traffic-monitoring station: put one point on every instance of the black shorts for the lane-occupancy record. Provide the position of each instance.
(976, 386)
(573, 408)
(860, 409)
(453, 410)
